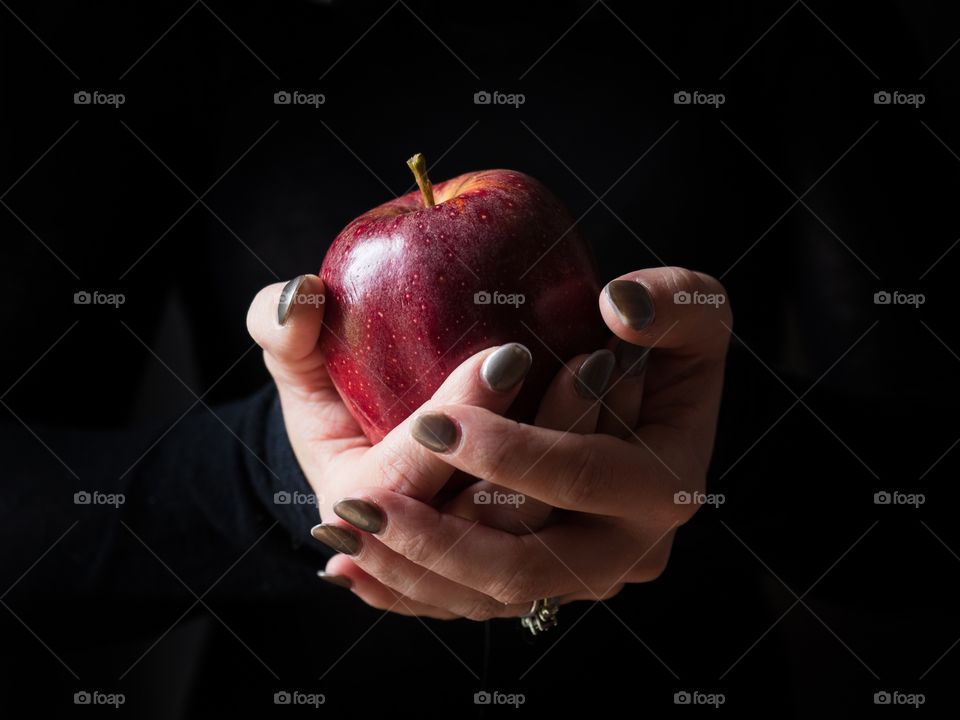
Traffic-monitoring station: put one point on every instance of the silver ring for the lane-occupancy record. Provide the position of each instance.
(542, 616)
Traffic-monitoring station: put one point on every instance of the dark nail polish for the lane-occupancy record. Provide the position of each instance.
(631, 359)
(340, 539)
(632, 303)
(593, 374)
(506, 367)
(435, 431)
(287, 297)
(361, 514)
(338, 580)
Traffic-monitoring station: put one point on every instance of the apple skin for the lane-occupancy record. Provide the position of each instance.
(401, 282)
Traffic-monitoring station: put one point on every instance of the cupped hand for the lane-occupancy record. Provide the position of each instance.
(620, 493)
(338, 461)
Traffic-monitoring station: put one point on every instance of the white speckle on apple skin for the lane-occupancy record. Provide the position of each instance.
(484, 242)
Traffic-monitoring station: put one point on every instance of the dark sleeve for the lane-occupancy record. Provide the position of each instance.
(214, 500)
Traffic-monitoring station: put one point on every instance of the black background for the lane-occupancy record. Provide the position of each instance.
(799, 596)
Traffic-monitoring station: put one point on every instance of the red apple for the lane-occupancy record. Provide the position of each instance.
(416, 286)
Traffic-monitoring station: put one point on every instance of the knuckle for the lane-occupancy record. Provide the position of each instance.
(397, 471)
(498, 458)
(681, 278)
(579, 483)
(414, 546)
(518, 585)
(387, 574)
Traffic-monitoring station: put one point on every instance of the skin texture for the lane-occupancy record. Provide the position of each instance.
(400, 310)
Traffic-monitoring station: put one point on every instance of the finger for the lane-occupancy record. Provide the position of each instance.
(489, 379)
(285, 320)
(588, 473)
(570, 404)
(311, 406)
(684, 316)
(669, 308)
(420, 584)
(621, 401)
(342, 570)
(514, 570)
(496, 507)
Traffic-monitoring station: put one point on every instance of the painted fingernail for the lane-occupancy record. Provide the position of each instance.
(435, 431)
(631, 359)
(361, 514)
(340, 539)
(632, 303)
(287, 297)
(506, 367)
(338, 580)
(593, 374)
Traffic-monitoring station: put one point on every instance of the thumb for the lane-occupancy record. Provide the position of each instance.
(677, 310)
(403, 463)
(285, 320)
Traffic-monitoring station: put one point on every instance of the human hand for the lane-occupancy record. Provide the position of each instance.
(619, 494)
(332, 451)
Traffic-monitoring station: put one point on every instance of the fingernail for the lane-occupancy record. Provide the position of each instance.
(338, 580)
(631, 359)
(632, 303)
(361, 514)
(287, 297)
(340, 539)
(593, 374)
(435, 431)
(505, 367)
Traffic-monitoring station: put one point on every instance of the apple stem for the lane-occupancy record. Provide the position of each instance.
(418, 164)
